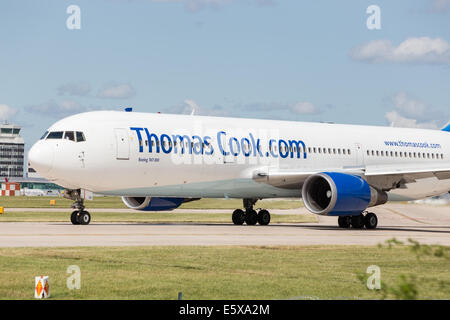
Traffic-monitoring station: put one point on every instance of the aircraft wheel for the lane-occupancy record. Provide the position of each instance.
(251, 217)
(357, 222)
(238, 217)
(263, 217)
(344, 221)
(84, 217)
(74, 217)
(371, 220)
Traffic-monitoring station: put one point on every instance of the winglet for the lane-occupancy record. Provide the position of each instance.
(446, 127)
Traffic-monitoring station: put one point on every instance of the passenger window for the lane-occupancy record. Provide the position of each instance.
(69, 135)
(80, 136)
(55, 135)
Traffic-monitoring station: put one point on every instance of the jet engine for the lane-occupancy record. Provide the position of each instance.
(338, 194)
(152, 203)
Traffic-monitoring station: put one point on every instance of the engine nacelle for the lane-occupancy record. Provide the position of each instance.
(337, 194)
(152, 203)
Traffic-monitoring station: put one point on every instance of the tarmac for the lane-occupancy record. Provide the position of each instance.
(428, 224)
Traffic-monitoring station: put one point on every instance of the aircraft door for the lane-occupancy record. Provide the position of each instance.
(359, 155)
(122, 144)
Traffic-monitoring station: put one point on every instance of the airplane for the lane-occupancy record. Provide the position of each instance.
(156, 162)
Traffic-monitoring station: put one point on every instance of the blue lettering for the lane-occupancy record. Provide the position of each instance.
(184, 140)
(219, 142)
(271, 147)
(286, 149)
(149, 138)
(295, 145)
(256, 146)
(198, 146)
(163, 143)
(208, 144)
(246, 146)
(237, 146)
(138, 133)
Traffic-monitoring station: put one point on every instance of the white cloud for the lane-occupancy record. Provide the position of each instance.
(397, 120)
(188, 105)
(6, 112)
(409, 106)
(440, 5)
(412, 50)
(74, 89)
(413, 113)
(304, 108)
(116, 91)
(197, 5)
(56, 109)
(414, 108)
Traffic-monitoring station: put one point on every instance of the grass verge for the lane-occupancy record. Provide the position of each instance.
(216, 272)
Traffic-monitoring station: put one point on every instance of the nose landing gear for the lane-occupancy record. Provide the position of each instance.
(79, 216)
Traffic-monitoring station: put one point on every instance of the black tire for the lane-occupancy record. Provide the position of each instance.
(357, 222)
(74, 217)
(238, 217)
(263, 217)
(84, 218)
(251, 217)
(344, 221)
(371, 220)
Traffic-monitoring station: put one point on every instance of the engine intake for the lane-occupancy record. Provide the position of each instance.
(152, 203)
(335, 194)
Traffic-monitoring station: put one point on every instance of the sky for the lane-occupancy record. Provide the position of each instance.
(333, 61)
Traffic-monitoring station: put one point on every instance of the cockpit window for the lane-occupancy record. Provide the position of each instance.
(69, 135)
(55, 135)
(44, 135)
(80, 136)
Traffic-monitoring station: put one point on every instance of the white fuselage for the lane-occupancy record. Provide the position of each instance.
(141, 154)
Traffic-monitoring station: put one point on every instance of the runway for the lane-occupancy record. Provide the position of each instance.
(425, 223)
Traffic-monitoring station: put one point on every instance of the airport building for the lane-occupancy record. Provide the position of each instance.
(11, 151)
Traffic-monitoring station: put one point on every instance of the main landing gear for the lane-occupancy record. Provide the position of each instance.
(250, 216)
(370, 221)
(79, 216)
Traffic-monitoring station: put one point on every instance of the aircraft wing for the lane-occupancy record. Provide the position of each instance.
(380, 177)
(293, 179)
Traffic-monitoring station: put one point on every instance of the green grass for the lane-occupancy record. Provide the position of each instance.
(217, 272)
(150, 217)
(116, 202)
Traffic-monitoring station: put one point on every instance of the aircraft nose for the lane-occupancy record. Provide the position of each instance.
(40, 157)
